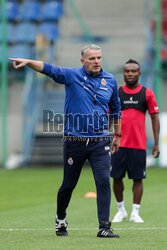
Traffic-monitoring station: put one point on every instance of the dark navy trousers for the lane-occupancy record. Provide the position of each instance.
(76, 151)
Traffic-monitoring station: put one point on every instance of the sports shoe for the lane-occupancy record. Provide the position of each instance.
(105, 231)
(136, 218)
(120, 216)
(61, 228)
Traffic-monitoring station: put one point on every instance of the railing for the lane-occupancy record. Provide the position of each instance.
(32, 98)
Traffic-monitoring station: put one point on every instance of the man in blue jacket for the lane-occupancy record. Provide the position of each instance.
(90, 92)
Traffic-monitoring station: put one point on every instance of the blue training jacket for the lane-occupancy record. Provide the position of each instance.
(87, 100)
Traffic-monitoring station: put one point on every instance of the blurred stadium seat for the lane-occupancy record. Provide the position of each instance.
(164, 32)
(27, 19)
(50, 30)
(10, 33)
(26, 32)
(22, 51)
(52, 10)
(11, 10)
(164, 28)
(164, 53)
(30, 11)
(164, 5)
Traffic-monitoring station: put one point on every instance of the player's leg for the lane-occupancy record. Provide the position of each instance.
(74, 159)
(118, 187)
(136, 171)
(99, 159)
(137, 190)
(118, 169)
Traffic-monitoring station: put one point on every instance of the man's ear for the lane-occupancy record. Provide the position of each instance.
(82, 61)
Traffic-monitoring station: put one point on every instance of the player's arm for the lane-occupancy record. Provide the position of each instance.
(153, 111)
(33, 64)
(156, 129)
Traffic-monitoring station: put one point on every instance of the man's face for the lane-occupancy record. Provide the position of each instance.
(92, 61)
(131, 74)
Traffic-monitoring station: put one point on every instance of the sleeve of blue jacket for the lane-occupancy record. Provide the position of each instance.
(58, 74)
(114, 104)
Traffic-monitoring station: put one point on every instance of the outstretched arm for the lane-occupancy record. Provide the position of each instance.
(156, 129)
(33, 64)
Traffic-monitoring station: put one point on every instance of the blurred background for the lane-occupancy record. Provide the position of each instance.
(56, 31)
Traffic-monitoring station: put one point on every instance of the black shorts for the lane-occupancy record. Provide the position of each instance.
(130, 160)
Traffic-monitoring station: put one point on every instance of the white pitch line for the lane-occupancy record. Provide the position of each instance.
(75, 229)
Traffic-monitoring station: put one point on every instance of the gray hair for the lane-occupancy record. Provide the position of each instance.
(89, 46)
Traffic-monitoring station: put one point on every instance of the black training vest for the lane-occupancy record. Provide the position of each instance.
(133, 101)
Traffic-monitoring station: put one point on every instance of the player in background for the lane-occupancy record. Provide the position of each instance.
(89, 93)
(131, 156)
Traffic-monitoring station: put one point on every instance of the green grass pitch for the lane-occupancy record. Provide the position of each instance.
(28, 209)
